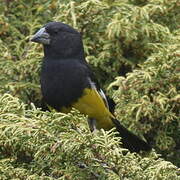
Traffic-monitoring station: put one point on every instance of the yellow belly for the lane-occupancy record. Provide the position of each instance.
(92, 104)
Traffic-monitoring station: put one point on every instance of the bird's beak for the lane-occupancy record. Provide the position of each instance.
(41, 37)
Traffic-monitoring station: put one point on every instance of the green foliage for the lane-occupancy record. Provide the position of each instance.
(148, 98)
(49, 145)
(138, 37)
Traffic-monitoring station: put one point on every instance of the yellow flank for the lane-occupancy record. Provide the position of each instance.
(92, 104)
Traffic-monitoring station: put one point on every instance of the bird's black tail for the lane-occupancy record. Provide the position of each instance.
(130, 140)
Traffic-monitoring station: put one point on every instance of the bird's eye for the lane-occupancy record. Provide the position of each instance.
(56, 31)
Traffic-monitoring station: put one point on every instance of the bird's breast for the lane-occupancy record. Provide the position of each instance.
(62, 82)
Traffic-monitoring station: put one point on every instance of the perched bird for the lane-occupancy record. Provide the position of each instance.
(68, 82)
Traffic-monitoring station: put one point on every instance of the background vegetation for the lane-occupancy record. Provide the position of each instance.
(134, 48)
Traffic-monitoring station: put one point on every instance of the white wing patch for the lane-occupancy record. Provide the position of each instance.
(100, 92)
(104, 97)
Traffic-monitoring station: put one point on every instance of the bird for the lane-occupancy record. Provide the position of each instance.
(67, 82)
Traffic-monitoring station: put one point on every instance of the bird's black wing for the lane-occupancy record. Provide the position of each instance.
(109, 102)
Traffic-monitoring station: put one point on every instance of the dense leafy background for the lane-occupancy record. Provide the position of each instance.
(134, 48)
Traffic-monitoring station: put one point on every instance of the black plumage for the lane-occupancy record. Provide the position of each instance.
(67, 81)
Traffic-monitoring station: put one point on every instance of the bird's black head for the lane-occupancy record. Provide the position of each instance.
(60, 41)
